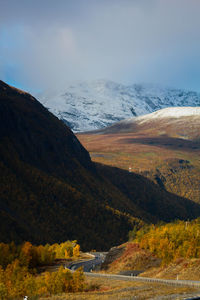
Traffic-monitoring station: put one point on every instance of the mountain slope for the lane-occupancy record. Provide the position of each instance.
(50, 190)
(92, 105)
(179, 122)
(164, 146)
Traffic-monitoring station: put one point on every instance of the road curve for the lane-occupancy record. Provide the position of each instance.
(88, 265)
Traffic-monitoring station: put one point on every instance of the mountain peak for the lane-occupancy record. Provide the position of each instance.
(91, 105)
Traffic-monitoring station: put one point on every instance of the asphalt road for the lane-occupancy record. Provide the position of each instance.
(92, 264)
(88, 265)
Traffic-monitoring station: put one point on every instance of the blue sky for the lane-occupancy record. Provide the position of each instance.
(49, 43)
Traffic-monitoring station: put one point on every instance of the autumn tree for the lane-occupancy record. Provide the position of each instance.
(76, 251)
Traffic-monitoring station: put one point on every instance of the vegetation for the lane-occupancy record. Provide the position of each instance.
(132, 257)
(34, 256)
(179, 176)
(16, 281)
(49, 188)
(171, 241)
(182, 268)
(151, 202)
(170, 160)
(165, 250)
(18, 276)
(108, 289)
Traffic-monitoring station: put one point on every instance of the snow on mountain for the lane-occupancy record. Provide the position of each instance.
(92, 105)
(175, 122)
(169, 113)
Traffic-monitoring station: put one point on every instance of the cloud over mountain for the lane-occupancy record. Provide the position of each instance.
(48, 43)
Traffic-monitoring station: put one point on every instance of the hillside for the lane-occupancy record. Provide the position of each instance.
(163, 146)
(129, 257)
(161, 251)
(173, 122)
(50, 190)
(96, 104)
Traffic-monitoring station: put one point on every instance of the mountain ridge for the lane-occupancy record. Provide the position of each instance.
(182, 122)
(86, 106)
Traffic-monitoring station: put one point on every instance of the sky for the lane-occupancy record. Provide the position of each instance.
(46, 44)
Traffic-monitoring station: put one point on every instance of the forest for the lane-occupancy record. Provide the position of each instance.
(170, 241)
(19, 273)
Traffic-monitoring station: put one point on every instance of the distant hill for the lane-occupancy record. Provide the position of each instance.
(50, 190)
(163, 146)
(174, 122)
(96, 104)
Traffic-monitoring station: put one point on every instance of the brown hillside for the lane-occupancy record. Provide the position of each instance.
(164, 150)
(131, 257)
(49, 188)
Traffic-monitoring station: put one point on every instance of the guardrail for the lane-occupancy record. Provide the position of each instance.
(146, 279)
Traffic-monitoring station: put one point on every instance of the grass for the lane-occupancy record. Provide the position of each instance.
(115, 289)
(185, 269)
(148, 159)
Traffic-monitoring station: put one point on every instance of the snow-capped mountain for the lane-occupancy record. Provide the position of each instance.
(176, 122)
(168, 113)
(92, 105)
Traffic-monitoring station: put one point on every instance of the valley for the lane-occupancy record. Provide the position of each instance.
(164, 149)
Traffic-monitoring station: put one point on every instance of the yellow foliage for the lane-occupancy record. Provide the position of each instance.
(3, 291)
(17, 274)
(17, 281)
(171, 241)
(78, 280)
(67, 253)
(76, 251)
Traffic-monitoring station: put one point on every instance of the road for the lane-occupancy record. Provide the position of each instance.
(92, 264)
(88, 265)
(146, 279)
